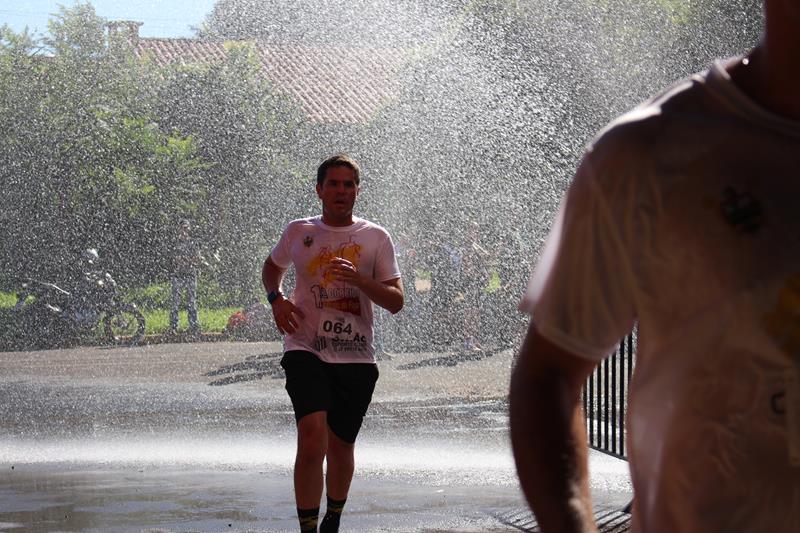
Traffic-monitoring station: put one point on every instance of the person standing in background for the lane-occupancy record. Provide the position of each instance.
(186, 261)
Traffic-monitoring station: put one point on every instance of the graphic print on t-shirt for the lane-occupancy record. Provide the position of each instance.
(340, 325)
(741, 210)
(783, 323)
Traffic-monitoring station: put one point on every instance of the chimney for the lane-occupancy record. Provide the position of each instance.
(124, 30)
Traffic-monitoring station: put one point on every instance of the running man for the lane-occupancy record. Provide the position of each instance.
(682, 216)
(343, 265)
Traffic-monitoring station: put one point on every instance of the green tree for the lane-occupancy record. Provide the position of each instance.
(496, 111)
(253, 138)
(103, 149)
(19, 98)
(89, 166)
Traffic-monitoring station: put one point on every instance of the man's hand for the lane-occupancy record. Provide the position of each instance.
(344, 270)
(387, 294)
(287, 315)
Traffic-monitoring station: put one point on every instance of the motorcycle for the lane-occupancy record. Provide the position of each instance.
(49, 316)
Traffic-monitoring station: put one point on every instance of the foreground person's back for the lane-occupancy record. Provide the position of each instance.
(682, 216)
(707, 256)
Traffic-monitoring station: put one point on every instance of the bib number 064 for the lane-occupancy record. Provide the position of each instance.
(329, 326)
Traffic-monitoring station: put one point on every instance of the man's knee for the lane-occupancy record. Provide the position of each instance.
(312, 437)
(340, 451)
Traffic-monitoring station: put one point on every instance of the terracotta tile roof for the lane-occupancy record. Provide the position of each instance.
(332, 84)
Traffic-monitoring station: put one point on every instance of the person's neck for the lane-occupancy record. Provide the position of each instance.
(770, 74)
(337, 222)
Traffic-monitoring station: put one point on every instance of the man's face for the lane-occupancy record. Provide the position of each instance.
(338, 193)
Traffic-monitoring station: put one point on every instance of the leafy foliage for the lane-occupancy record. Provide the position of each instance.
(496, 112)
(100, 148)
(253, 138)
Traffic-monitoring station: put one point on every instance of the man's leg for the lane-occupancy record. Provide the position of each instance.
(312, 444)
(471, 328)
(339, 475)
(351, 396)
(341, 465)
(308, 385)
(191, 304)
(176, 303)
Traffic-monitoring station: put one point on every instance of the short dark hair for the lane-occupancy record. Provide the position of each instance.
(338, 160)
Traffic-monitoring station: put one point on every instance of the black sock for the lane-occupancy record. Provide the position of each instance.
(308, 520)
(330, 523)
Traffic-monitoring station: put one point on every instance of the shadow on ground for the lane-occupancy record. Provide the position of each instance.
(253, 368)
(608, 520)
(453, 359)
(260, 366)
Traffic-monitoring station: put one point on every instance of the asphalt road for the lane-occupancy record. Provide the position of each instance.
(200, 437)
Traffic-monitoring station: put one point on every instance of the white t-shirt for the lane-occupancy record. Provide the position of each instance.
(338, 317)
(685, 216)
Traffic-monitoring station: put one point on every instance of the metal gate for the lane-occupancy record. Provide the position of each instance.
(605, 399)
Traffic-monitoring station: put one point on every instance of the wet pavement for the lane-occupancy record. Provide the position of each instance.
(200, 437)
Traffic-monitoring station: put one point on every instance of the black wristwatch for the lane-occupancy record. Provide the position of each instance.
(273, 295)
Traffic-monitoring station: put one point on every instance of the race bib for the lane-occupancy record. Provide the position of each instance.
(334, 324)
(345, 332)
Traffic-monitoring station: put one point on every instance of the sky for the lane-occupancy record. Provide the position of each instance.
(162, 18)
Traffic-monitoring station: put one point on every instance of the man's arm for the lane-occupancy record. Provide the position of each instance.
(548, 435)
(197, 256)
(287, 315)
(387, 294)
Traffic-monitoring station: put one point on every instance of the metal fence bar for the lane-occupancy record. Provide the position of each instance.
(585, 399)
(614, 439)
(590, 413)
(606, 393)
(605, 398)
(623, 404)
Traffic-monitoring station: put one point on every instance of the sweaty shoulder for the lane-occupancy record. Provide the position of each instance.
(300, 225)
(302, 222)
(665, 132)
(636, 133)
(363, 224)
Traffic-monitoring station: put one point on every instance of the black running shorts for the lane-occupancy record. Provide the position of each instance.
(343, 390)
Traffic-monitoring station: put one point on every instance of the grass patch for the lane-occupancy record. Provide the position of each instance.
(7, 299)
(159, 295)
(422, 274)
(494, 281)
(157, 320)
(211, 320)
